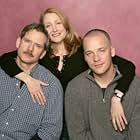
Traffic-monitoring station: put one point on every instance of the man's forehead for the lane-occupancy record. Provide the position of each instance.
(36, 35)
(96, 41)
(34, 32)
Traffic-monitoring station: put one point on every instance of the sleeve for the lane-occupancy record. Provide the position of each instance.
(77, 125)
(134, 124)
(8, 64)
(51, 125)
(127, 69)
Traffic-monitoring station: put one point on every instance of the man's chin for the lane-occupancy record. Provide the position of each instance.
(29, 61)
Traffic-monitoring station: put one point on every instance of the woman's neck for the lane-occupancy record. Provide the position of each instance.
(59, 49)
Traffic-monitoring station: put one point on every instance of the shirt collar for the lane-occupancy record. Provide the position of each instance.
(117, 76)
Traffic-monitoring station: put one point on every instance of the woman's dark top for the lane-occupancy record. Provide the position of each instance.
(72, 66)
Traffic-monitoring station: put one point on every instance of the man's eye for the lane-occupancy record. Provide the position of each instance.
(39, 46)
(59, 23)
(102, 50)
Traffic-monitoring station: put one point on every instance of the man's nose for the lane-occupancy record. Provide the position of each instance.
(96, 57)
(31, 47)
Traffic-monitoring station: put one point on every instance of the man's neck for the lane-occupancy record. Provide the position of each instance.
(105, 79)
(24, 66)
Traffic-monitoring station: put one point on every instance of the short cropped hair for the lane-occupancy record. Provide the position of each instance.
(95, 32)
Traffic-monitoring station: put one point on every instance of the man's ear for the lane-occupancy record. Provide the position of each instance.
(43, 54)
(113, 52)
(18, 42)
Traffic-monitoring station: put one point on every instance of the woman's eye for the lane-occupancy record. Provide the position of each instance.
(47, 26)
(88, 54)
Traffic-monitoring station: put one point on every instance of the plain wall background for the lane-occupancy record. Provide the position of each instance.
(120, 18)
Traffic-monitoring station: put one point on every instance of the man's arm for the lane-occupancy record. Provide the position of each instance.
(51, 124)
(77, 125)
(127, 69)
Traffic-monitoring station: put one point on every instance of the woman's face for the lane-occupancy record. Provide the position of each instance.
(55, 27)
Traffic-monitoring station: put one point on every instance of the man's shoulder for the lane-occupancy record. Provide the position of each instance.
(44, 74)
(79, 78)
(40, 70)
(136, 79)
(79, 86)
(135, 83)
(4, 75)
